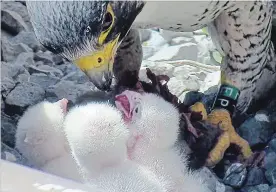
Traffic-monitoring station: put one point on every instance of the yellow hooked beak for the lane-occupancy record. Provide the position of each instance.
(99, 65)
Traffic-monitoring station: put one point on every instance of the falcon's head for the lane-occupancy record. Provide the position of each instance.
(87, 33)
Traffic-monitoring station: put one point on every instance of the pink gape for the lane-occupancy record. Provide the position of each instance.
(127, 102)
(63, 104)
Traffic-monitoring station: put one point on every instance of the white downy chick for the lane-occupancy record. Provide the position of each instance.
(98, 143)
(154, 126)
(40, 138)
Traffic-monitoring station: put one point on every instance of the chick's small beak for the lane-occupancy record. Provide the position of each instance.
(98, 66)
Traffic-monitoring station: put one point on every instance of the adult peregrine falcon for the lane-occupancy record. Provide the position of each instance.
(89, 33)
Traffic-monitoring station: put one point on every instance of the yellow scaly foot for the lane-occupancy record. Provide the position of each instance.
(229, 135)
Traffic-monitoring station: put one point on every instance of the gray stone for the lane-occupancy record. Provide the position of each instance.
(10, 154)
(256, 131)
(20, 9)
(7, 84)
(228, 189)
(187, 51)
(46, 58)
(9, 73)
(25, 94)
(272, 145)
(263, 187)
(271, 175)
(45, 69)
(67, 68)
(2, 104)
(43, 80)
(23, 78)
(8, 129)
(12, 22)
(77, 76)
(192, 97)
(67, 89)
(25, 59)
(270, 161)
(10, 70)
(51, 70)
(5, 34)
(144, 34)
(255, 176)
(235, 175)
(181, 40)
(273, 188)
(257, 188)
(27, 38)
(212, 181)
(10, 51)
(57, 59)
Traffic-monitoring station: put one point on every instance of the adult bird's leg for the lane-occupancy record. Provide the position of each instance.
(244, 33)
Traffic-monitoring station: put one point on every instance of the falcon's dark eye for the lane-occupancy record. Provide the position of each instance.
(107, 21)
(136, 110)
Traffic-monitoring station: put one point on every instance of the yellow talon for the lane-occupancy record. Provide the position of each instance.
(217, 152)
(199, 107)
(229, 135)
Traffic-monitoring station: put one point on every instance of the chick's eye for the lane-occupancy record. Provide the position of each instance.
(107, 21)
(136, 110)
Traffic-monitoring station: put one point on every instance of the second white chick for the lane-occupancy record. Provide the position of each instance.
(154, 126)
(40, 138)
(98, 142)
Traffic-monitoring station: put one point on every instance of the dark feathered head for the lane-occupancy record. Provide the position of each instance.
(87, 33)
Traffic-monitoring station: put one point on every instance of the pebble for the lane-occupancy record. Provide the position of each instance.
(211, 79)
(46, 69)
(188, 51)
(67, 68)
(27, 38)
(272, 145)
(235, 175)
(8, 129)
(19, 8)
(10, 154)
(25, 94)
(43, 80)
(184, 71)
(25, 59)
(76, 76)
(8, 75)
(168, 35)
(10, 51)
(271, 176)
(211, 180)
(46, 58)
(258, 188)
(145, 34)
(178, 86)
(273, 188)
(255, 176)
(256, 131)
(12, 22)
(192, 97)
(67, 89)
(181, 40)
(161, 68)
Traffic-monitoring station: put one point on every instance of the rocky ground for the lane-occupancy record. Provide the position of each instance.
(30, 74)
